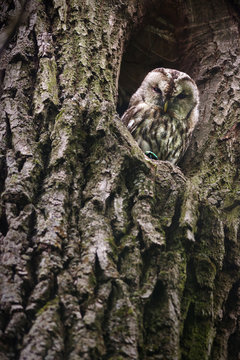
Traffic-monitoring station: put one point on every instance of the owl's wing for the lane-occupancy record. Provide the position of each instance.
(133, 117)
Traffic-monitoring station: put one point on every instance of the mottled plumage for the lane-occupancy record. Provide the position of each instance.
(163, 112)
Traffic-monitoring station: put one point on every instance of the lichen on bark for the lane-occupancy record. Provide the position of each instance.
(106, 254)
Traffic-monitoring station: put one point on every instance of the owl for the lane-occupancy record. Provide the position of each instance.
(162, 114)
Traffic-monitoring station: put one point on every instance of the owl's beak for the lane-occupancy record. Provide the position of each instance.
(165, 106)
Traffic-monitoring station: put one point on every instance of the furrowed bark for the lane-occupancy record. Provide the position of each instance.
(106, 254)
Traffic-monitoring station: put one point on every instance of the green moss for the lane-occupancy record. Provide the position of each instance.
(124, 311)
(128, 241)
(92, 280)
(196, 341)
(59, 115)
(205, 271)
(48, 77)
(52, 81)
(113, 246)
(54, 302)
(14, 178)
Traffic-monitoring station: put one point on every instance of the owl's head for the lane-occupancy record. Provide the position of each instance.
(173, 91)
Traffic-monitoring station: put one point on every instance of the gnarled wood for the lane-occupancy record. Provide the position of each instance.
(106, 254)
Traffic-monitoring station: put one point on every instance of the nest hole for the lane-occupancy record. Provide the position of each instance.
(160, 41)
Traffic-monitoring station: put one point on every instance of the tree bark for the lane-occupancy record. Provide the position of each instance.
(106, 254)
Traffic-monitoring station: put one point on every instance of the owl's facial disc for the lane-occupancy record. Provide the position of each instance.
(157, 90)
(184, 89)
(158, 96)
(182, 95)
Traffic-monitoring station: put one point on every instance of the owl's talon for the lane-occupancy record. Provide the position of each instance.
(151, 155)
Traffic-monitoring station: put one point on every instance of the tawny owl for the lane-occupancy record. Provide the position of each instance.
(162, 113)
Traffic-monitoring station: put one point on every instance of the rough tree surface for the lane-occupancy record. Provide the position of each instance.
(106, 254)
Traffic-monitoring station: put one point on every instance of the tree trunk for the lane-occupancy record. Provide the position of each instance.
(106, 254)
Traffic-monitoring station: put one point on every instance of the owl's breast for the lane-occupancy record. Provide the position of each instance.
(162, 134)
